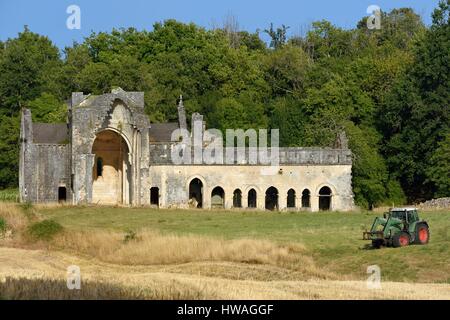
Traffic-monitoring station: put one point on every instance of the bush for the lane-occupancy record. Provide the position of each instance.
(129, 236)
(9, 195)
(44, 230)
(2, 225)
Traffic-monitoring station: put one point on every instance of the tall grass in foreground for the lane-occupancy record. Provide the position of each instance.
(152, 248)
(56, 289)
(13, 216)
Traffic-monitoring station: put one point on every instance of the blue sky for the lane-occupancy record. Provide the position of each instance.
(48, 17)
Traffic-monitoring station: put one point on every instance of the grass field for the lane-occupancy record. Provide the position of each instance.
(332, 239)
(195, 254)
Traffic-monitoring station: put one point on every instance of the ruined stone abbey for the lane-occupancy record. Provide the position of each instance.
(108, 153)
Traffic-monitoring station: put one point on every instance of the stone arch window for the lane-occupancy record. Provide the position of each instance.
(154, 196)
(272, 198)
(237, 198)
(291, 198)
(196, 193)
(325, 196)
(251, 200)
(217, 198)
(99, 166)
(306, 196)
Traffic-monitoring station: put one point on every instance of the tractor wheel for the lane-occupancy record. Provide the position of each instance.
(400, 240)
(422, 234)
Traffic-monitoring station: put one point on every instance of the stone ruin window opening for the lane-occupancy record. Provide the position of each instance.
(291, 198)
(154, 196)
(272, 198)
(306, 203)
(325, 196)
(99, 167)
(62, 194)
(218, 198)
(251, 201)
(237, 199)
(196, 193)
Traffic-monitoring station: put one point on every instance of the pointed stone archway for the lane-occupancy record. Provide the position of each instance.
(111, 176)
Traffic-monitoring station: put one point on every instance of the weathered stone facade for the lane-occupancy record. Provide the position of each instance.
(109, 153)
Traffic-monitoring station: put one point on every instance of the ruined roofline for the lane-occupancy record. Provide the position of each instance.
(131, 98)
(160, 154)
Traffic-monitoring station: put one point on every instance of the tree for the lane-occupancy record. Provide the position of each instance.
(278, 36)
(47, 108)
(25, 62)
(9, 151)
(415, 116)
(439, 169)
(286, 70)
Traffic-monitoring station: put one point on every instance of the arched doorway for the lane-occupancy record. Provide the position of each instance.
(196, 193)
(325, 198)
(306, 202)
(272, 198)
(217, 198)
(237, 199)
(111, 177)
(291, 198)
(251, 200)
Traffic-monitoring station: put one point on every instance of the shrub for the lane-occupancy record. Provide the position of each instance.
(2, 225)
(130, 235)
(44, 230)
(9, 195)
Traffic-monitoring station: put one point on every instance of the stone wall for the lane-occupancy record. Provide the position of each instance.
(173, 183)
(46, 170)
(160, 154)
(43, 168)
(118, 111)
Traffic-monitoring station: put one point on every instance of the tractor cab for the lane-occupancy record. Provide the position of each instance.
(407, 215)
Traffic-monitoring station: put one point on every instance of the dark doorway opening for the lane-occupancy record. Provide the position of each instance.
(99, 167)
(154, 196)
(62, 194)
(291, 198)
(325, 198)
(196, 193)
(251, 201)
(237, 199)
(306, 203)
(272, 199)
(217, 198)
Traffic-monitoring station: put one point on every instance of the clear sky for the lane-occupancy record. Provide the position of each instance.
(48, 17)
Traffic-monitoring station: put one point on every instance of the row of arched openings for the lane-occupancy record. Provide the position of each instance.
(271, 197)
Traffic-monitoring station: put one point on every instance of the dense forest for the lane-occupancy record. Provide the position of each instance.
(389, 89)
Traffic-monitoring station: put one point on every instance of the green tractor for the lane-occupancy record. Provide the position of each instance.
(398, 228)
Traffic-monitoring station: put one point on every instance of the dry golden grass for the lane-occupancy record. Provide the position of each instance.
(13, 216)
(56, 289)
(46, 272)
(153, 265)
(152, 248)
